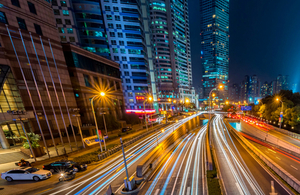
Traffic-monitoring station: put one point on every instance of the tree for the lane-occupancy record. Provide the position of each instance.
(34, 140)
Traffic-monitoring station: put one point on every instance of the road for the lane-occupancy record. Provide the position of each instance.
(183, 171)
(110, 171)
(288, 162)
(240, 172)
(263, 133)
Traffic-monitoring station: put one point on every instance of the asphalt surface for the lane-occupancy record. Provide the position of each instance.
(240, 172)
(288, 162)
(183, 170)
(262, 133)
(109, 171)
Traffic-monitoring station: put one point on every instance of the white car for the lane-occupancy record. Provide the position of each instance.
(26, 173)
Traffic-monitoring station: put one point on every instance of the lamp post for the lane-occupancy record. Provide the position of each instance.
(148, 99)
(220, 87)
(92, 103)
(281, 113)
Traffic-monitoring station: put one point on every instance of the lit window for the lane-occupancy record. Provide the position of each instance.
(65, 12)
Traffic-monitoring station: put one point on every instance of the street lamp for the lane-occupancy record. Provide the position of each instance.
(210, 93)
(281, 113)
(102, 94)
(150, 100)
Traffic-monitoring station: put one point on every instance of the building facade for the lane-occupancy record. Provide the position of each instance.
(117, 30)
(171, 40)
(90, 75)
(214, 18)
(35, 84)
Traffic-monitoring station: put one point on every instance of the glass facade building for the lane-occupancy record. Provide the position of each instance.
(126, 39)
(170, 28)
(215, 45)
(115, 29)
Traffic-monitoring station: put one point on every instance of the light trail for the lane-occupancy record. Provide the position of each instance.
(197, 144)
(104, 177)
(242, 175)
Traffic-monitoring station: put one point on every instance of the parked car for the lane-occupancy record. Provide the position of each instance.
(124, 129)
(26, 173)
(62, 166)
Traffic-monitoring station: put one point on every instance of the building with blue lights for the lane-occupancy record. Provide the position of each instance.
(171, 38)
(117, 30)
(214, 17)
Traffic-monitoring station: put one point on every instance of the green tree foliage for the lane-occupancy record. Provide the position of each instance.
(34, 140)
(270, 109)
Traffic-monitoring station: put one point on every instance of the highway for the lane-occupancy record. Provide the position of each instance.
(111, 171)
(183, 171)
(263, 133)
(240, 172)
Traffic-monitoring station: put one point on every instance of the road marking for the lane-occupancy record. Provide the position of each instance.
(239, 188)
(188, 191)
(278, 158)
(43, 191)
(272, 151)
(156, 192)
(294, 167)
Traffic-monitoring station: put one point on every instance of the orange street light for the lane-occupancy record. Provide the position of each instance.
(102, 94)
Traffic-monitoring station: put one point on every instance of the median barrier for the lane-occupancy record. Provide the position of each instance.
(287, 177)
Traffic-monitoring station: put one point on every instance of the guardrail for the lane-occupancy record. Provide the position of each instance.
(288, 178)
(272, 139)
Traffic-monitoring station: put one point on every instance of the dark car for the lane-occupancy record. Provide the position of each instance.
(61, 166)
(126, 129)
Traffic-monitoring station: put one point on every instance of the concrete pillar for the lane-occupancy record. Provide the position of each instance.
(3, 140)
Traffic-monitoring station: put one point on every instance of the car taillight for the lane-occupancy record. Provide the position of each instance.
(43, 166)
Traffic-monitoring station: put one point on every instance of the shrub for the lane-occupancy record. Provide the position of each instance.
(34, 140)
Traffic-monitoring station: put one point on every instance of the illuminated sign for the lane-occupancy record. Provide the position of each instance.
(140, 97)
(141, 111)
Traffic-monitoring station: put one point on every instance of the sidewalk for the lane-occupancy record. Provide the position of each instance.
(136, 130)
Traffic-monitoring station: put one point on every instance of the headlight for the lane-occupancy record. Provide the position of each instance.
(81, 166)
(61, 174)
(85, 165)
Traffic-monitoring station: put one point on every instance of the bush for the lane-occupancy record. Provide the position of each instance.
(34, 140)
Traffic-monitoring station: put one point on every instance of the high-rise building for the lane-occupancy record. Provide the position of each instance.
(65, 21)
(214, 18)
(254, 88)
(171, 38)
(282, 83)
(34, 75)
(266, 89)
(234, 92)
(117, 30)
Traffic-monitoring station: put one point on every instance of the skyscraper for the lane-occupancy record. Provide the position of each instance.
(170, 29)
(114, 29)
(214, 18)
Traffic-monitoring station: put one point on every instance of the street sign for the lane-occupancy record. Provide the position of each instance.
(246, 108)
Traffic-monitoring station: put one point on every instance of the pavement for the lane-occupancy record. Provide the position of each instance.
(241, 173)
(100, 175)
(263, 133)
(183, 169)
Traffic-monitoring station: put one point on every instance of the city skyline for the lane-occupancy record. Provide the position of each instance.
(264, 55)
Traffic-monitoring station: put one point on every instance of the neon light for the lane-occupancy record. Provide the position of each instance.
(140, 97)
(141, 111)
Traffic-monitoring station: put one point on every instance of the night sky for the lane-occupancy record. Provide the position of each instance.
(264, 39)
